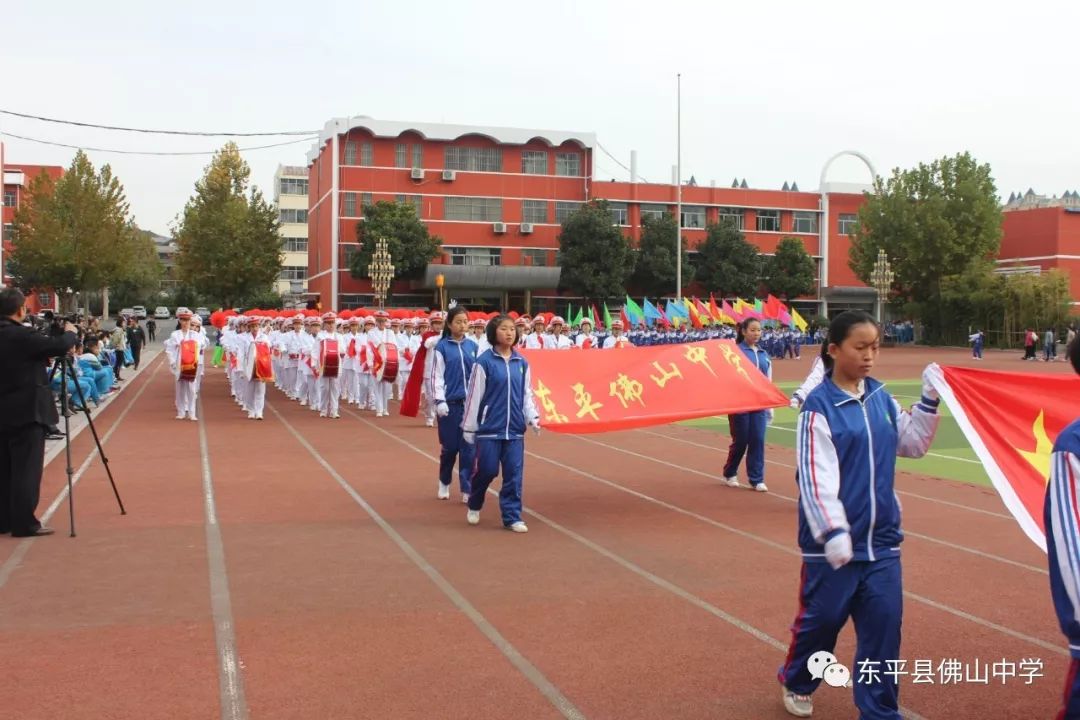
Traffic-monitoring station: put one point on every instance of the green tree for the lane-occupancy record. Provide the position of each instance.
(727, 263)
(76, 233)
(410, 243)
(654, 267)
(789, 273)
(597, 259)
(932, 221)
(227, 240)
(141, 283)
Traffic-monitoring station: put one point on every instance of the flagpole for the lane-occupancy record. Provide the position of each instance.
(678, 188)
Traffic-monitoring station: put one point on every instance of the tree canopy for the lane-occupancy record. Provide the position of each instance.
(228, 243)
(408, 240)
(654, 266)
(790, 272)
(728, 264)
(597, 259)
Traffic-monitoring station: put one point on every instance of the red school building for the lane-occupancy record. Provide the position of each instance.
(16, 183)
(498, 196)
(1041, 234)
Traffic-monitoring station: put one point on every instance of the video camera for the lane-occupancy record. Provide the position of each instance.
(53, 324)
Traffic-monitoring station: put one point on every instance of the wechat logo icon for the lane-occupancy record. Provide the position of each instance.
(824, 666)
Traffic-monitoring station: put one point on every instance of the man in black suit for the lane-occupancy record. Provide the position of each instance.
(26, 411)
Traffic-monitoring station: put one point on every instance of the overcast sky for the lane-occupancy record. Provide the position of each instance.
(770, 89)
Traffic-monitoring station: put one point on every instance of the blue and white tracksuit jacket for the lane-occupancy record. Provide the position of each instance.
(499, 404)
(1061, 516)
(846, 450)
(451, 365)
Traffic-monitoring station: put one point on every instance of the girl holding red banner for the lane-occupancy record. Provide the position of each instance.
(748, 429)
(452, 362)
(184, 348)
(849, 434)
(1061, 517)
(498, 407)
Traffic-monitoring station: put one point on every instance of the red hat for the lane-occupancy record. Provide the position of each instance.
(382, 314)
(183, 314)
(329, 317)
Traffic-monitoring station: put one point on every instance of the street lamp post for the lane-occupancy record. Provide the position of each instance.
(381, 272)
(882, 278)
(440, 283)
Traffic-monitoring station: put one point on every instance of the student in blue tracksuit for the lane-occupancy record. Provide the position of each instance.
(849, 434)
(498, 408)
(452, 363)
(1061, 517)
(748, 429)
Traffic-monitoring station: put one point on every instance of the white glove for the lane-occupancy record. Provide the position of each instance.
(469, 437)
(928, 390)
(838, 551)
(768, 417)
(442, 409)
(795, 403)
(535, 425)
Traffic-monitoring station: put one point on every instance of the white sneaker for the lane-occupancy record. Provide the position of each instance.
(444, 492)
(732, 481)
(473, 516)
(194, 419)
(760, 487)
(518, 527)
(798, 705)
(429, 422)
(181, 417)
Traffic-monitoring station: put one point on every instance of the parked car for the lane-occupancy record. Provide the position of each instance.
(140, 312)
(161, 313)
(203, 314)
(127, 312)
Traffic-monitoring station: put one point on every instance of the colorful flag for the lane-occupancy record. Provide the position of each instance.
(642, 386)
(1011, 421)
(634, 311)
(798, 320)
(650, 311)
(607, 317)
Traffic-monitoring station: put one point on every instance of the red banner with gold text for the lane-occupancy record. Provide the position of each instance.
(578, 391)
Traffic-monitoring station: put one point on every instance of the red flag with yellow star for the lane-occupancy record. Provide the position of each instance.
(1011, 421)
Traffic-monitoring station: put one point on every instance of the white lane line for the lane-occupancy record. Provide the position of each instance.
(21, 549)
(930, 454)
(788, 498)
(230, 680)
(519, 661)
(641, 572)
(791, 551)
(906, 493)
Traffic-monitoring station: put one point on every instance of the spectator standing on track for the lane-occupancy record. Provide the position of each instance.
(748, 429)
(976, 339)
(118, 341)
(849, 434)
(1063, 543)
(1049, 345)
(136, 338)
(452, 364)
(498, 408)
(151, 329)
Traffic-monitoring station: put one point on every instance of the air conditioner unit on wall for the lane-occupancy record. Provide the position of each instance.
(526, 228)
(449, 174)
(417, 174)
(499, 227)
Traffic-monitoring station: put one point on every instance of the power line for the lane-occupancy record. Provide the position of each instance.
(156, 132)
(149, 152)
(605, 151)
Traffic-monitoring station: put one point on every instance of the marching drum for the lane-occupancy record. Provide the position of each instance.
(388, 368)
(328, 358)
(189, 359)
(263, 370)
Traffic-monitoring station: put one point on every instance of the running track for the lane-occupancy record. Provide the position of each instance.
(301, 567)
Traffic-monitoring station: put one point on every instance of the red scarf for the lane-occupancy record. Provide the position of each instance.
(410, 401)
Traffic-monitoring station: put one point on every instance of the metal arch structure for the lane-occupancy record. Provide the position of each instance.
(823, 240)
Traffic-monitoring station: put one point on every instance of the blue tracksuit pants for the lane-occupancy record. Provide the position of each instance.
(747, 438)
(490, 454)
(871, 593)
(454, 448)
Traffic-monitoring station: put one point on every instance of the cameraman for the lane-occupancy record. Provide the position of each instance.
(26, 411)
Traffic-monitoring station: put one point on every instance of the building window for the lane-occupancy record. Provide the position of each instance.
(9, 232)
(534, 211)
(768, 220)
(292, 216)
(294, 244)
(568, 164)
(534, 162)
(294, 186)
(536, 258)
(619, 213)
(350, 251)
(293, 272)
(732, 216)
(349, 204)
(563, 210)
(805, 222)
(350, 153)
(44, 300)
(475, 256)
(417, 202)
(399, 199)
(473, 209)
(367, 154)
(849, 223)
(474, 159)
(693, 216)
(9, 198)
(401, 155)
(366, 201)
(418, 156)
(656, 212)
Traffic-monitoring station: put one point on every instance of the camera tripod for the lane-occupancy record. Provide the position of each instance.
(67, 373)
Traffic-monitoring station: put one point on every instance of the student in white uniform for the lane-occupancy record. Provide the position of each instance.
(378, 338)
(328, 359)
(586, 340)
(616, 339)
(184, 349)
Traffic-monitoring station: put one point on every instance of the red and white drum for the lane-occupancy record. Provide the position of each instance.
(328, 358)
(388, 368)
